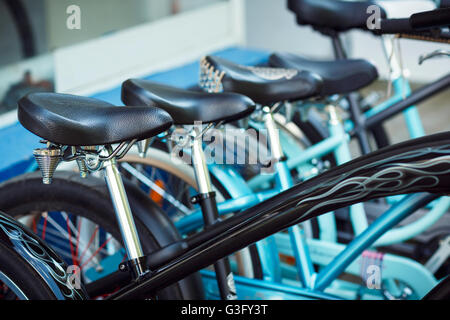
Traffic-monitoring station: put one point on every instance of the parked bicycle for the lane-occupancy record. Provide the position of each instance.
(85, 130)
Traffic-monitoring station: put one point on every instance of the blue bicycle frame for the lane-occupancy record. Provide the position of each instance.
(244, 196)
(421, 165)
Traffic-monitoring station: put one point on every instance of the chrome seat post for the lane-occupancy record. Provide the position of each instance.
(200, 167)
(300, 248)
(273, 135)
(207, 201)
(124, 215)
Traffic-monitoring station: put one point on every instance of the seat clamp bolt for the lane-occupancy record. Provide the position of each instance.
(122, 267)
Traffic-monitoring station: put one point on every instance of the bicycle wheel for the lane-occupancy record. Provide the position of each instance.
(171, 185)
(315, 130)
(75, 217)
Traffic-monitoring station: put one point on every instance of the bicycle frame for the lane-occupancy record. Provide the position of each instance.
(270, 262)
(338, 143)
(243, 197)
(283, 172)
(420, 165)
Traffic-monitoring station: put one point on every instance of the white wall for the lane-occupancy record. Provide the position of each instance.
(99, 17)
(272, 27)
(104, 62)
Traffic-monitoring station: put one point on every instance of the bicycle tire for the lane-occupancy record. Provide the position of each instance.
(87, 198)
(185, 174)
(23, 276)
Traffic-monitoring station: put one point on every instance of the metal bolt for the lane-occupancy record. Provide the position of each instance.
(91, 161)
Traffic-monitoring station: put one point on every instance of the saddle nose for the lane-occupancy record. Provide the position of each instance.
(264, 85)
(187, 107)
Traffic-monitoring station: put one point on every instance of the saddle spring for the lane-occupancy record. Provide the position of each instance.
(210, 78)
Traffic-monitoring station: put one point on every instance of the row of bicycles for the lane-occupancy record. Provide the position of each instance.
(241, 188)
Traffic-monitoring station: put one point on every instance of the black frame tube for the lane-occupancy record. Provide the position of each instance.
(352, 99)
(417, 96)
(222, 267)
(419, 165)
(362, 124)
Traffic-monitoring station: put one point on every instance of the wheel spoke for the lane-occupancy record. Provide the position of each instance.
(96, 252)
(74, 262)
(78, 236)
(74, 230)
(149, 183)
(45, 215)
(89, 243)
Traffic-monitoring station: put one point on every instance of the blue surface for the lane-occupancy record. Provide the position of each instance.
(17, 143)
(187, 76)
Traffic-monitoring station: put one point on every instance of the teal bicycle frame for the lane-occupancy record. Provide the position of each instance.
(338, 143)
(305, 251)
(324, 284)
(245, 194)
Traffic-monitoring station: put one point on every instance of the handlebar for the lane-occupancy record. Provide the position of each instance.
(431, 19)
(419, 23)
(392, 26)
(434, 54)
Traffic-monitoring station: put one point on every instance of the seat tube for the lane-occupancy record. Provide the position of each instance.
(352, 99)
(343, 155)
(283, 174)
(124, 217)
(402, 87)
(338, 48)
(273, 135)
(305, 269)
(207, 200)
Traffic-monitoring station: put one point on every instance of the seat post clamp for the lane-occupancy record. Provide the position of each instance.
(136, 267)
(208, 203)
(197, 199)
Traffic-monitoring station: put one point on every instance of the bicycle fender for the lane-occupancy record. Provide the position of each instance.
(41, 258)
(143, 208)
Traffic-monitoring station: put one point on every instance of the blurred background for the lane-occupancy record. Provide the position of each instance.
(119, 39)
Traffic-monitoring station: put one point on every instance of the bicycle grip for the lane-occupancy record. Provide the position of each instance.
(431, 19)
(393, 26)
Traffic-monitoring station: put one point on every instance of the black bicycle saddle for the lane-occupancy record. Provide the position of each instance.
(264, 85)
(336, 15)
(338, 77)
(184, 106)
(80, 121)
